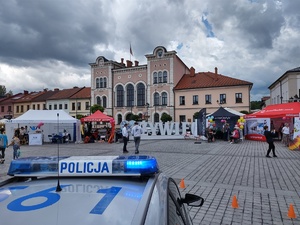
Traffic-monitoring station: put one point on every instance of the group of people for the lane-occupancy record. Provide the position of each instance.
(136, 132)
(15, 142)
(228, 135)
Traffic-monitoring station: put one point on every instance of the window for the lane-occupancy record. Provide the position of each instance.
(87, 105)
(130, 95)
(104, 82)
(141, 94)
(104, 100)
(66, 106)
(55, 106)
(18, 109)
(22, 108)
(156, 117)
(207, 99)
(2, 108)
(97, 83)
(73, 106)
(9, 109)
(154, 78)
(238, 98)
(182, 118)
(98, 100)
(120, 96)
(160, 77)
(165, 77)
(44, 106)
(50, 107)
(164, 98)
(60, 106)
(119, 118)
(33, 106)
(222, 98)
(195, 99)
(156, 98)
(181, 100)
(28, 107)
(101, 82)
(38, 106)
(78, 105)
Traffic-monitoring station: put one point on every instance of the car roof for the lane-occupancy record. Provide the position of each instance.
(85, 200)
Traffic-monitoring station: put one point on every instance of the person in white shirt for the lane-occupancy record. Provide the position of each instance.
(125, 137)
(136, 133)
(286, 134)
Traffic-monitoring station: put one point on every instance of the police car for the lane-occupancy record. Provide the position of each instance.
(92, 190)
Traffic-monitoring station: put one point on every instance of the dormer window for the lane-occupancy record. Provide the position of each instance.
(159, 53)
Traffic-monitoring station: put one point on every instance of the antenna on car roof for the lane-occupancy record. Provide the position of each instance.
(58, 187)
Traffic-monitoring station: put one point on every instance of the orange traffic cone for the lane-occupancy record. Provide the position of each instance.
(182, 185)
(291, 212)
(234, 204)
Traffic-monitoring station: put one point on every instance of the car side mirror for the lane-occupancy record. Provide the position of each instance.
(192, 200)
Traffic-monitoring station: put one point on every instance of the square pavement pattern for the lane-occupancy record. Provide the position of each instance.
(264, 187)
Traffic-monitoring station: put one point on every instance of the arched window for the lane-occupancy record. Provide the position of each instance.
(141, 94)
(165, 77)
(164, 98)
(101, 82)
(98, 100)
(104, 101)
(154, 78)
(156, 98)
(130, 95)
(104, 82)
(156, 117)
(97, 83)
(119, 119)
(120, 96)
(160, 77)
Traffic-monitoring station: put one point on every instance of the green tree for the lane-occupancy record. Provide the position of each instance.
(96, 107)
(166, 117)
(2, 90)
(196, 115)
(256, 105)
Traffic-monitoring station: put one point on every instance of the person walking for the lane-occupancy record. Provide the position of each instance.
(136, 133)
(3, 145)
(125, 138)
(269, 137)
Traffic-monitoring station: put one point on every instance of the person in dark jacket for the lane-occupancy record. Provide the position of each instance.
(269, 137)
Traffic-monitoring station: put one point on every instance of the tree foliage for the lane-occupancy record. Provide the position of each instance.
(165, 117)
(2, 90)
(96, 107)
(256, 105)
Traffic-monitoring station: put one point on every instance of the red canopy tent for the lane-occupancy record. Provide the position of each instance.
(291, 109)
(97, 116)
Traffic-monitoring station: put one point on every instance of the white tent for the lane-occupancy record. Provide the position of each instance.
(54, 122)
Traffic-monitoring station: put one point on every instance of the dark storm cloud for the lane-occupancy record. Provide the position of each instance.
(62, 30)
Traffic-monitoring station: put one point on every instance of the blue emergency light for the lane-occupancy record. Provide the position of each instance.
(135, 165)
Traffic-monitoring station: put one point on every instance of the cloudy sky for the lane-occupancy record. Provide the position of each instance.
(50, 43)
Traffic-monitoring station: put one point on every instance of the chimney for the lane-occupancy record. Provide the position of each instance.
(129, 63)
(216, 73)
(136, 63)
(25, 92)
(192, 72)
(122, 61)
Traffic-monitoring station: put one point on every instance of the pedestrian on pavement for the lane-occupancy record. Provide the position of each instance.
(125, 138)
(15, 142)
(269, 137)
(3, 145)
(286, 134)
(136, 133)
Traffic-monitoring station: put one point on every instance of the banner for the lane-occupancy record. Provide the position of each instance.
(202, 122)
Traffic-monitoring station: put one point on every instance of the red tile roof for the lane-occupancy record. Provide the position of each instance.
(65, 93)
(208, 80)
(83, 93)
(28, 97)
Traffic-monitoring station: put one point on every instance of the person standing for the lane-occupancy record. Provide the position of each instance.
(16, 146)
(125, 138)
(136, 132)
(3, 145)
(269, 137)
(286, 134)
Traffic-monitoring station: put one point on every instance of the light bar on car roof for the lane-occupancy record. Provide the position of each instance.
(84, 166)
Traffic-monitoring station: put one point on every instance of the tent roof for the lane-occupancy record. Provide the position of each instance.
(45, 116)
(225, 113)
(97, 116)
(291, 109)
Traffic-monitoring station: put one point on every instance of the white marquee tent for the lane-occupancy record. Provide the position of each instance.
(54, 122)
